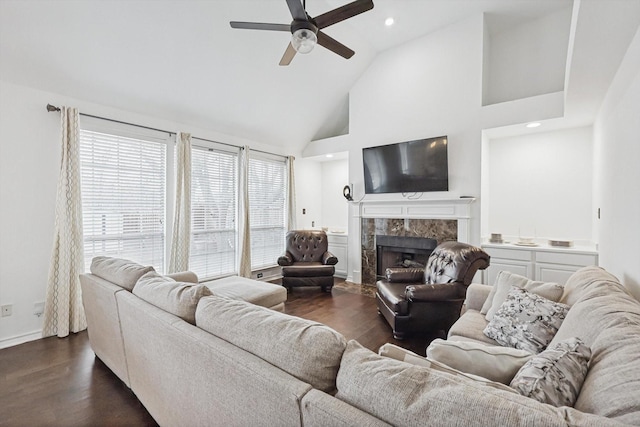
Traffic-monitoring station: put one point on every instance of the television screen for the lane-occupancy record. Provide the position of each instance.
(407, 167)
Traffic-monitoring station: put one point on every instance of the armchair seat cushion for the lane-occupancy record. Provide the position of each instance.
(306, 269)
(393, 295)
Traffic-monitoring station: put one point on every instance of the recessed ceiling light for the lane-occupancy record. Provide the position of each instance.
(533, 124)
(329, 156)
(389, 21)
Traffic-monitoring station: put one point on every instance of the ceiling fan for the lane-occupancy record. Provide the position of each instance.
(305, 30)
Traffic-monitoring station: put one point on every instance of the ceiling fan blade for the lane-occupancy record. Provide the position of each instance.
(260, 26)
(344, 12)
(334, 45)
(297, 11)
(288, 55)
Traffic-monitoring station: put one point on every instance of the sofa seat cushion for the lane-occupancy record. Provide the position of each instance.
(177, 298)
(305, 269)
(254, 291)
(407, 395)
(506, 280)
(526, 321)
(493, 362)
(555, 376)
(307, 350)
(470, 326)
(121, 272)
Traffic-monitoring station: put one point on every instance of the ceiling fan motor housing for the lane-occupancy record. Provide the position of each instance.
(298, 24)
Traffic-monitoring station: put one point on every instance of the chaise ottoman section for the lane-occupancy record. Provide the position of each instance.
(264, 294)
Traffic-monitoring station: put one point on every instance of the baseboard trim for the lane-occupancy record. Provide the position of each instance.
(20, 339)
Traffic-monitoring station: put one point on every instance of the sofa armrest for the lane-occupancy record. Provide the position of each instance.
(329, 259)
(435, 292)
(184, 276)
(285, 259)
(405, 275)
(476, 296)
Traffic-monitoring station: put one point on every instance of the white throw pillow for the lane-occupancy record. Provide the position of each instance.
(493, 362)
(505, 280)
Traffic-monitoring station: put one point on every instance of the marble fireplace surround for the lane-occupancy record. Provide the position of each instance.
(443, 220)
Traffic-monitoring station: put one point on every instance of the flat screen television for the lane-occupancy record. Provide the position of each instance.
(407, 167)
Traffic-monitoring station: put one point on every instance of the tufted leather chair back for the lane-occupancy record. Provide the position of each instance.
(455, 262)
(306, 245)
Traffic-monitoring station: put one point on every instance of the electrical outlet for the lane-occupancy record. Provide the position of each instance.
(7, 310)
(260, 275)
(38, 308)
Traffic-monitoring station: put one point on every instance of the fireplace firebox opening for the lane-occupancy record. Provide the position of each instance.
(401, 251)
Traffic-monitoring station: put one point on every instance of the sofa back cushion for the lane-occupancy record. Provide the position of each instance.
(177, 298)
(607, 319)
(307, 350)
(505, 280)
(118, 271)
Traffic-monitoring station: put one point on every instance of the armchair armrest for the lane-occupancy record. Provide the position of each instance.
(405, 275)
(329, 259)
(477, 295)
(184, 276)
(285, 259)
(435, 292)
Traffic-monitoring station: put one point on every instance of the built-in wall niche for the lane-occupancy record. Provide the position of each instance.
(539, 186)
(524, 58)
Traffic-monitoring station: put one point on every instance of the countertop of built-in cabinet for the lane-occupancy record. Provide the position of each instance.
(587, 249)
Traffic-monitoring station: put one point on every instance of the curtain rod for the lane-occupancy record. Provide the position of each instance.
(51, 108)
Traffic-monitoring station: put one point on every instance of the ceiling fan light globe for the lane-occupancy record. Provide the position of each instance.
(303, 40)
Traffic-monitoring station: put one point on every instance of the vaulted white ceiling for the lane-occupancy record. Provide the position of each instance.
(180, 60)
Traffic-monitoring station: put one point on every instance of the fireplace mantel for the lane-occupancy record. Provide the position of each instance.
(458, 209)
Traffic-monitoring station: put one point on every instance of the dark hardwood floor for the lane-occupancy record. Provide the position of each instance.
(60, 382)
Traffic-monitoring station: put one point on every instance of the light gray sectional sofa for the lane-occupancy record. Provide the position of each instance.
(242, 364)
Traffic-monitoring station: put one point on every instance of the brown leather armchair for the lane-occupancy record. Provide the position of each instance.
(429, 299)
(307, 260)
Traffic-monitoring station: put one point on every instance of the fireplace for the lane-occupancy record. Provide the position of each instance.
(402, 251)
(437, 219)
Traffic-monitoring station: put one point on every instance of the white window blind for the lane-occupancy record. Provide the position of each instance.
(123, 198)
(267, 209)
(214, 189)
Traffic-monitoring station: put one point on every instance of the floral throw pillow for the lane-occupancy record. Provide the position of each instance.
(526, 321)
(555, 376)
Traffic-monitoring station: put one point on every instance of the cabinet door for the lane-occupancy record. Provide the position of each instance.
(340, 251)
(554, 272)
(522, 268)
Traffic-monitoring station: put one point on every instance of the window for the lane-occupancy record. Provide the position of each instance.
(214, 189)
(267, 209)
(123, 197)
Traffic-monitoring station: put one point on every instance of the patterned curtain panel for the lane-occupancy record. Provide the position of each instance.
(63, 311)
(291, 195)
(179, 260)
(244, 238)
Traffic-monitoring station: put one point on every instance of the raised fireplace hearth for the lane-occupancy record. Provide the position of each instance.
(402, 252)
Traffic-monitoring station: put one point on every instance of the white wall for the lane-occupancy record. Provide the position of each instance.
(526, 60)
(335, 208)
(29, 162)
(309, 184)
(617, 173)
(540, 185)
(428, 87)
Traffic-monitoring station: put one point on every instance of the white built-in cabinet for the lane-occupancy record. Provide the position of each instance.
(338, 247)
(544, 263)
